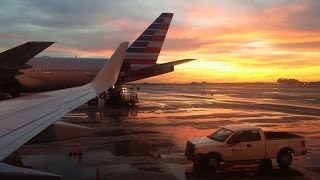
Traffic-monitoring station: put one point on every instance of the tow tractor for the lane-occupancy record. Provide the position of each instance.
(119, 96)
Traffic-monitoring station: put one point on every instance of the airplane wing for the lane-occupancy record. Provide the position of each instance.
(154, 70)
(23, 118)
(12, 60)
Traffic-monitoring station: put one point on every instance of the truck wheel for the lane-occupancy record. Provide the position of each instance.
(284, 159)
(214, 161)
(200, 163)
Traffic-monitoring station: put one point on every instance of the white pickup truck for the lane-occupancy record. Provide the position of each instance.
(244, 143)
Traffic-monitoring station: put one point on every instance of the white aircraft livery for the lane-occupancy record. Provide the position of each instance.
(23, 118)
(51, 73)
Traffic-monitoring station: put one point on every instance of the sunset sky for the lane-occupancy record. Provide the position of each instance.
(234, 41)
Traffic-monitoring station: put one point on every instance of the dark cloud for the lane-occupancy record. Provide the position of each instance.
(308, 20)
(80, 24)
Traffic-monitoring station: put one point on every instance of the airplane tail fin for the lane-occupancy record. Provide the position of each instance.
(146, 48)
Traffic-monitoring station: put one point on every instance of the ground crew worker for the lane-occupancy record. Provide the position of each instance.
(101, 104)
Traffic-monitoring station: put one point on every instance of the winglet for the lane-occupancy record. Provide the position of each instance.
(108, 75)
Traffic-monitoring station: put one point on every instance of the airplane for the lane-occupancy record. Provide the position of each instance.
(51, 73)
(24, 117)
(14, 59)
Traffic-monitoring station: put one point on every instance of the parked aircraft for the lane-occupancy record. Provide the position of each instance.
(51, 73)
(25, 117)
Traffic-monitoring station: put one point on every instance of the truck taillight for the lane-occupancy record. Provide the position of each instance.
(303, 143)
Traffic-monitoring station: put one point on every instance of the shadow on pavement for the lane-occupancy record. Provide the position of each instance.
(244, 172)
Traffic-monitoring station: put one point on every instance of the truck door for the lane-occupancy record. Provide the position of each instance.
(249, 146)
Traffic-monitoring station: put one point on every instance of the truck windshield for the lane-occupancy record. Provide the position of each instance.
(221, 135)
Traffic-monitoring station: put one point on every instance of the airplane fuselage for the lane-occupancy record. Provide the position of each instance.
(59, 73)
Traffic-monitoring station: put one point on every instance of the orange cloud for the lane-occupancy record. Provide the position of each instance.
(235, 42)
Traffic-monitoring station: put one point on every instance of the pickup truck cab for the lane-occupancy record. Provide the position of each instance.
(244, 143)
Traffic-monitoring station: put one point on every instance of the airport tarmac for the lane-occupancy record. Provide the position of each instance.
(147, 141)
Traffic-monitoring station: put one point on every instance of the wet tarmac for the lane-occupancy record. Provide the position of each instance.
(147, 141)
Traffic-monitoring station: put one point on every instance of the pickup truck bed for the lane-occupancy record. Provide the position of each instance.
(270, 135)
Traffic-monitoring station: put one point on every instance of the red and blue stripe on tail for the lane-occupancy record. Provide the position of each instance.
(146, 48)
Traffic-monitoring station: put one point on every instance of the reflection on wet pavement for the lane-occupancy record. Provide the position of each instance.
(147, 141)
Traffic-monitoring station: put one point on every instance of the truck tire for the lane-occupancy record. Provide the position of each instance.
(284, 159)
(213, 161)
(200, 163)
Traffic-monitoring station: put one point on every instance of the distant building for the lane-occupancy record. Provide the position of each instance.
(288, 81)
